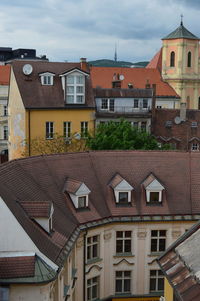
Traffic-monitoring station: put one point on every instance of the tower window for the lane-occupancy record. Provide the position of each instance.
(172, 59)
(189, 59)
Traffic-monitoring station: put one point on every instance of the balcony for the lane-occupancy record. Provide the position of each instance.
(120, 111)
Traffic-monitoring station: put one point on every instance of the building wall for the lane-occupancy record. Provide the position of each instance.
(169, 294)
(3, 116)
(29, 292)
(16, 121)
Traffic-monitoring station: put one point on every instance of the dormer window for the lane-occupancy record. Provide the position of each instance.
(47, 78)
(78, 192)
(73, 83)
(122, 190)
(153, 190)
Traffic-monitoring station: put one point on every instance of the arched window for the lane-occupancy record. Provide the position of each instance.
(189, 59)
(172, 59)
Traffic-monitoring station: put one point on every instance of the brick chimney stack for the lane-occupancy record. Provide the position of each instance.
(83, 62)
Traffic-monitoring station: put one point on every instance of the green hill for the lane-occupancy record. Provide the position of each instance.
(112, 63)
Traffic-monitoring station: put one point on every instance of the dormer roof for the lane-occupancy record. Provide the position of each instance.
(151, 182)
(37, 209)
(67, 72)
(75, 187)
(119, 183)
(181, 33)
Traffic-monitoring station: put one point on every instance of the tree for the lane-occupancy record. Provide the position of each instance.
(42, 146)
(121, 136)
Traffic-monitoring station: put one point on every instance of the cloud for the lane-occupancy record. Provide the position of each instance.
(68, 29)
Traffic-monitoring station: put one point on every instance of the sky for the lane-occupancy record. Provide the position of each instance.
(66, 30)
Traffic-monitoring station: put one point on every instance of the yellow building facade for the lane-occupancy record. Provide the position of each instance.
(180, 65)
(28, 122)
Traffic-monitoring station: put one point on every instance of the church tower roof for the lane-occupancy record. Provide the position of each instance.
(181, 33)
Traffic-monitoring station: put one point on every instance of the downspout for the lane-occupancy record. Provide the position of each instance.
(84, 265)
(29, 133)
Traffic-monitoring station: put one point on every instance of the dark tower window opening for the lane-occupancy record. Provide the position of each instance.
(189, 59)
(172, 59)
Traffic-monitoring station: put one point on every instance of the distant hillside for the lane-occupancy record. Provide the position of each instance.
(111, 63)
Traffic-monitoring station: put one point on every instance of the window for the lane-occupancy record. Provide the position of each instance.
(159, 107)
(135, 124)
(158, 240)
(172, 59)
(195, 147)
(189, 59)
(143, 125)
(75, 89)
(84, 129)
(47, 79)
(145, 103)
(92, 247)
(4, 293)
(82, 201)
(5, 132)
(93, 289)
(123, 197)
(67, 129)
(136, 103)
(156, 281)
(123, 281)
(123, 241)
(108, 104)
(154, 196)
(49, 130)
(5, 110)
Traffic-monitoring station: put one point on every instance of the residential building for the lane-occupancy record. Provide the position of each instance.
(181, 266)
(4, 87)
(7, 55)
(89, 226)
(136, 78)
(135, 105)
(48, 99)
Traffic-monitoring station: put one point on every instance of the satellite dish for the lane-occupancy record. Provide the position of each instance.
(177, 120)
(121, 77)
(27, 69)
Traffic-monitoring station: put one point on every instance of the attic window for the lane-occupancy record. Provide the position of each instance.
(78, 192)
(47, 78)
(153, 190)
(122, 190)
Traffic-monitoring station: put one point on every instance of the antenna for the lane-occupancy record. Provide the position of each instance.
(115, 56)
(181, 19)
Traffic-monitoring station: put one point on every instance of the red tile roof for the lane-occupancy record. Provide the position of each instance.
(156, 61)
(4, 75)
(103, 77)
(71, 186)
(37, 209)
(17, 267)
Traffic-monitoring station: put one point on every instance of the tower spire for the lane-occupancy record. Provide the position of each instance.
(181, 19)
(115, 56)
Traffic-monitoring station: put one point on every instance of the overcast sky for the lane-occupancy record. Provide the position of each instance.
(70, 29)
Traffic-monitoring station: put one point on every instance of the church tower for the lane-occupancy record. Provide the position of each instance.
(180, 65)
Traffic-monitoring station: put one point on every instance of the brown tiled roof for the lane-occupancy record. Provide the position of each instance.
(123, 92)
(17, 267)
(156, 61)
(4, 75)
(37, 209)
(45, 96)
(117, 179)
(149, 180)
(183, 132)
(72, 185)
(42, 179)
(181, 265)
(103, 77)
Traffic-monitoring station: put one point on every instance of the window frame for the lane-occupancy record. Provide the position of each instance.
(155, 278)
(5, 132)
(157, 241)
(47, 79)
(67, 129)
(5, 110)
(92, 246)
(122, 279)
(123, 242)
(85, 201)
(172, 58)
(189, 59)
(94, 282)
(195, 147)
(49, 130)
(84, 129)
(75, 84)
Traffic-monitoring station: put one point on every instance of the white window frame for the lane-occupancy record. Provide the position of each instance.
(84, 129)
(47, 79)
(75, 85)
(49, 134)
(156, 279)
(129, 196)
(123, 278)
(86, 201)
(195, 147)
(108, 106)
(158, 239)
(155, 186)
(123, 243)
(95, 281)
(67, 129)
(92, 243)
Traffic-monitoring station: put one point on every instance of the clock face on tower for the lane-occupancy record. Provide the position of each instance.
(27, 69)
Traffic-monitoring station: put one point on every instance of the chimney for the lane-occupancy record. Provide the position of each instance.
(83, 62)
(116, 83)
(130, 85)
(183, 111)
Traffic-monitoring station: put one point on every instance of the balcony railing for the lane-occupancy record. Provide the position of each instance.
(124, 110)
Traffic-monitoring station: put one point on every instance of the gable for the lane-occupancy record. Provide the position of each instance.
(155, 185)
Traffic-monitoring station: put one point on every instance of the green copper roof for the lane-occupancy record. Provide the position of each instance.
(181, 33)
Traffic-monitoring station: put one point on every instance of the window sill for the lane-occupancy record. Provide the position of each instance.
(123, 255)
(94, 260)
